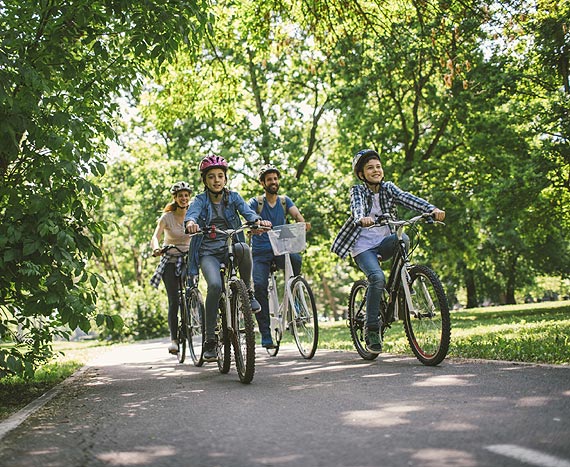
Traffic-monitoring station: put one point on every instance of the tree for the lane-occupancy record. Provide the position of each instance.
(61, 67)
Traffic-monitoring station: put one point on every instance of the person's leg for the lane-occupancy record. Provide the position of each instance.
(261, 267)
(171, 283)
(210, 267)
(368, 262)
(242, 254)
(296, 262)
(388, 246)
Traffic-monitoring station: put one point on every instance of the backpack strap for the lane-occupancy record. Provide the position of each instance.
(261, 200)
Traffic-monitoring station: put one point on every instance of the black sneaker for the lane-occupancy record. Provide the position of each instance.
(373, 341)
(255, 306)
(210, 354)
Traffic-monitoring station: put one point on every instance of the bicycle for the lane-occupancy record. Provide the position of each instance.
(297, 311)
(414, 294)
(234, 325)
(191, 308)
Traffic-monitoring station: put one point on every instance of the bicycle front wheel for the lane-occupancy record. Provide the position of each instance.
(428, 325)
(357, 318)
(305, 324)
(243, 332)
(182, 326)
(194, 326)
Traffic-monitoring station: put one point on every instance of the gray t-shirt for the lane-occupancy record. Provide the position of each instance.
(211, 246)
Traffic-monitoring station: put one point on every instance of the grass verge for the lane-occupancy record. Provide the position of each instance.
(536, 333)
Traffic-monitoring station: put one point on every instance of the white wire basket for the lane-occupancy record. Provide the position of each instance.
(287, 238)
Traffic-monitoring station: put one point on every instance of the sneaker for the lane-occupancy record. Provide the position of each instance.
(210, 354)
(267, 343)
(173, 347)
(255, 306)
(373, 341)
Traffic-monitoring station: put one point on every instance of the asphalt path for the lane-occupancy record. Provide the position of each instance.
(136, 406)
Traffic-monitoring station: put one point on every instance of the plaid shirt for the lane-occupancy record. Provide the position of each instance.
(361, 204)
(155, 279)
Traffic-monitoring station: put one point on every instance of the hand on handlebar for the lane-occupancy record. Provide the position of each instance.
(438, 214)
(191, 227)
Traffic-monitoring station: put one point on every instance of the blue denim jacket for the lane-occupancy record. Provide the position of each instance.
(200, 211)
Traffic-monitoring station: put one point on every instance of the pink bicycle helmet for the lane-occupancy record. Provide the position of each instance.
(212, 161)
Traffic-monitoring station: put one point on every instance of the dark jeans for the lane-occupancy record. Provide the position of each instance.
(171, 283)
(210, 267)
(368, 262)
(261, 267)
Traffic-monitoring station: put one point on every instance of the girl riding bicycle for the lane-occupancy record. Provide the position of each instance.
(369, 200)
(171, 225)
(220, 207)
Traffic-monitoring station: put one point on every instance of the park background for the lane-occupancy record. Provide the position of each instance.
(104, 104)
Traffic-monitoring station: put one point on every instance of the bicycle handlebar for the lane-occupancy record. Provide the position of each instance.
(212, 229)
(386, 219)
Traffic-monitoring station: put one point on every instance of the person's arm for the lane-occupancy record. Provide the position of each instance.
(190, 219)
(154, 241)
(296, 214)
(249, 214)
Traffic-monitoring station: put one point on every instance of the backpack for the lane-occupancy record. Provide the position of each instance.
(261, 201)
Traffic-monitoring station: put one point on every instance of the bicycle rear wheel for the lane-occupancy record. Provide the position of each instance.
(224, 345)
(182, 327)
(428, 326)
(357, 318)
(243, 332)
(305, 324)
(194, 326)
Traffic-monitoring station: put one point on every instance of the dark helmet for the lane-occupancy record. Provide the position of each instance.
(180, 186)
(361, 158)
(267, 168)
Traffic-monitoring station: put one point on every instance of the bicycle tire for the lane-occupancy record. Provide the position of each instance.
(428, 329)
(223, 342)
(357, 318)
(274, 321)
(304, 322)
(181, 354)
(243, 331)
(195, 326)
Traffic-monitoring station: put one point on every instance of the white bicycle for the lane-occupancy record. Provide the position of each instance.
(297, 311)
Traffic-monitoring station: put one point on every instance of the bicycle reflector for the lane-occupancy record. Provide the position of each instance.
(212, 233)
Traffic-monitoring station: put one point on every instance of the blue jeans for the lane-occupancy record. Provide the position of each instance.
(261, 266)
(368, 262)
(210, 267)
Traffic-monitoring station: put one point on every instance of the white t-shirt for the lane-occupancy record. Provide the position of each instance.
(174, 233)
(370, 238)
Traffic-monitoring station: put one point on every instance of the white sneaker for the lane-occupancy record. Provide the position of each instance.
(173, 347)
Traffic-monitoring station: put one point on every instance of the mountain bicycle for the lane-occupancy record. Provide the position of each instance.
(297, 311)
(191, 309)
(234, 325)
(414, 294)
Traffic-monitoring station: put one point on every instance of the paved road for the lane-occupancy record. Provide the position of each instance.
(137, 407)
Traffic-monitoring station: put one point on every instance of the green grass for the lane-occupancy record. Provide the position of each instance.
(536, 333)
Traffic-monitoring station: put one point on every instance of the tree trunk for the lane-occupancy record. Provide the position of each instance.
(472, 301)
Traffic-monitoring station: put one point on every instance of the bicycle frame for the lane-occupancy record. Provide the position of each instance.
(282, 310)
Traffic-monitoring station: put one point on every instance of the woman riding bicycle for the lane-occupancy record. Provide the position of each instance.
(220, 207)
(171, 225)
(369, 200)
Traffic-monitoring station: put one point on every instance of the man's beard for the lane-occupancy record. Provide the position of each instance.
(272, 189)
